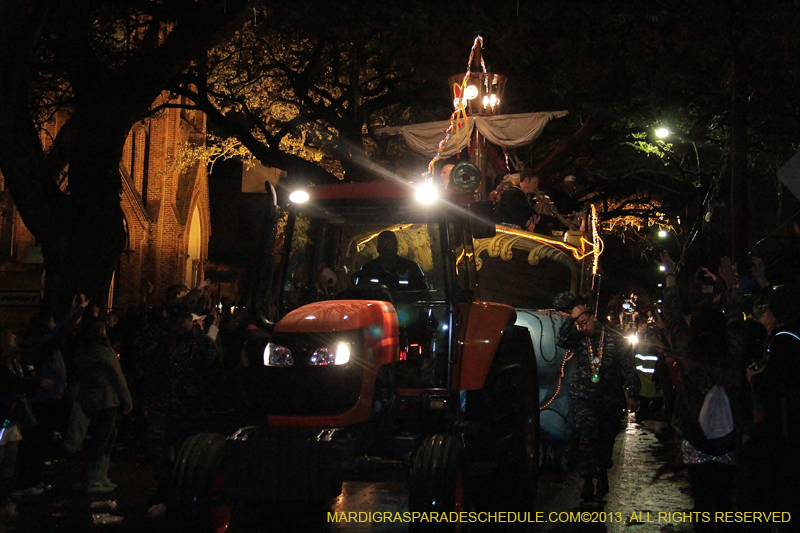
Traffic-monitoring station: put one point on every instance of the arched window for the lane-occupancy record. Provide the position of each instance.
(139, 163)
(193, 250)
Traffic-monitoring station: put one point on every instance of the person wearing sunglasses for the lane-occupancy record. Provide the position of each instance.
(604, 368)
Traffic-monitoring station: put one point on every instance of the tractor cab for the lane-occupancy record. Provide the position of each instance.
(400, 332)
(376, 361)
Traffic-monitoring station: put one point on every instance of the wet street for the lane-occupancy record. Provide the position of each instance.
(640, 501)
(643, 483)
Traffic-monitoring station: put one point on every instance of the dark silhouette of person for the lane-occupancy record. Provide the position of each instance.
(397, 273)
(564, 197)
(515, 206)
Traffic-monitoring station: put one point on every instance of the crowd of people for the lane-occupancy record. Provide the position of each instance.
(730, 348)
(729, 362)
(736, 397)
(69, 385)
(729, 368)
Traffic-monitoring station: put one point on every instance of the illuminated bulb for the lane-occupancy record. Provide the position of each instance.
(633, 339)
(485, 101)
(471, 92)
(493, 101)
(662, 233)
(662, 132)
(342, 354)
(662, 268)
(426, 193)
(298, 197)
(457, 103)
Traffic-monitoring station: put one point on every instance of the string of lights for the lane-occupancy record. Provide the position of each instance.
(462, 96)
(567, 356)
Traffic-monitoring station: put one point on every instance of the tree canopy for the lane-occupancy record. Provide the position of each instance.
(303, 87)
(314, 84)
(98, 67)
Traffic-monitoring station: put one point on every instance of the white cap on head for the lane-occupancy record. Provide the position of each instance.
(570, 178)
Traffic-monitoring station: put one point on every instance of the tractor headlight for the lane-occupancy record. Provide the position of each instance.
(325, 355)
(275, 355)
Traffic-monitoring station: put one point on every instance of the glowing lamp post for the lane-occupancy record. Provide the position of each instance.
(477, 92)
(481, 92)
(481, 95)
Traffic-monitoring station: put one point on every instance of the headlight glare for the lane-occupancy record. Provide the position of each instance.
(342, 353)
(327, 356)
(275, 355)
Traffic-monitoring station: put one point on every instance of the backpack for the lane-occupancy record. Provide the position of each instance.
(716, 419)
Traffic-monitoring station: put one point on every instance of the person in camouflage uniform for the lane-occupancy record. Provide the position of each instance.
(181, 376)
(603, 365)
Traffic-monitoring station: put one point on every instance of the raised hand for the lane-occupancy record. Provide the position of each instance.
(215, 318)
(579, 310)
(710, 275)
(668, 263)
(727, 272)
(759, 271)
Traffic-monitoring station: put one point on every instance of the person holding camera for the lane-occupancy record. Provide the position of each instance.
(709, 348)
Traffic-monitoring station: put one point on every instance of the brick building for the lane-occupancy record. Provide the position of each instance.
(166, 212)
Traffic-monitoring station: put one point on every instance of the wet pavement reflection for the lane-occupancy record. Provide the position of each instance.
(635, 492)
(642, 498)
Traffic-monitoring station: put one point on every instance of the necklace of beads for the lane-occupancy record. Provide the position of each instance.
(596, 357)
(15, 369)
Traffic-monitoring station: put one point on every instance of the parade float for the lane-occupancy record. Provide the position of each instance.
(516, 267)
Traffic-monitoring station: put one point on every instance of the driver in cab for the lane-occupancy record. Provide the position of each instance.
(397, 273)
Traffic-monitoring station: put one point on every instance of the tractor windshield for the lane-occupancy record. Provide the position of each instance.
(340, 252)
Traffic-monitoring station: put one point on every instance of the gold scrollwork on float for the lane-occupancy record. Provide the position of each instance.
(503, 245)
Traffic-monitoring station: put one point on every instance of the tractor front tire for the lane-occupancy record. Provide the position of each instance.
(437, 481)
(197, 500)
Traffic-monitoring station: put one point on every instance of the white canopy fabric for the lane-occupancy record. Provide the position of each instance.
(507, 131)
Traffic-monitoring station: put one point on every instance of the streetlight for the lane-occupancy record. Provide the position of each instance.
(298, 197)
(662, 132)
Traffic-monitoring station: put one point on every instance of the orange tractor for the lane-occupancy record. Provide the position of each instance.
(363, 373)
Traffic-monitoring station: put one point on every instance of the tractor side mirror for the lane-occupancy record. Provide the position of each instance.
(482, 219)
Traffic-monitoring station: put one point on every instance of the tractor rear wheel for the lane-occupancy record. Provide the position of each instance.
(507, 412)
(197, 501)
